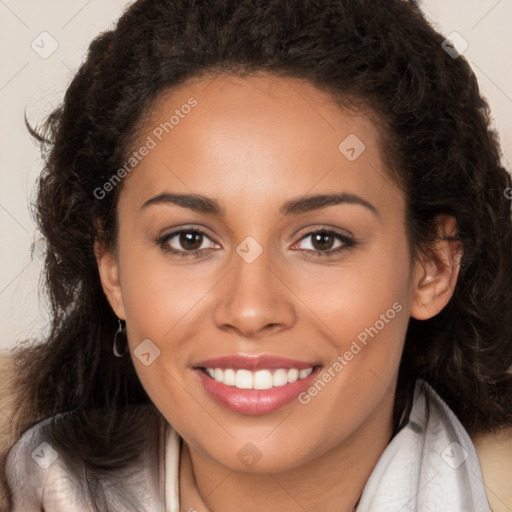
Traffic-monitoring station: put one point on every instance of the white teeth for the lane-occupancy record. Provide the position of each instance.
(280, 377)
(263, 379)
(244, 379)
(305, 373)
(229, 377)
(260, 379)
(293, 374)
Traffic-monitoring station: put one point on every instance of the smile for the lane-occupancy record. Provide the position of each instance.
(260, 379)
(255, 385)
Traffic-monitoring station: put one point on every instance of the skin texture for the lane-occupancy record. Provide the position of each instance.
(252, 144)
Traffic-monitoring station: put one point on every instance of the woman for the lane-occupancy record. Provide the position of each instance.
(279, 260)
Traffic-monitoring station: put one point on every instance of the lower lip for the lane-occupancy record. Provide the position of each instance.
(255, 401)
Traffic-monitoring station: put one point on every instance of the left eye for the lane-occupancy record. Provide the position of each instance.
(324, 241)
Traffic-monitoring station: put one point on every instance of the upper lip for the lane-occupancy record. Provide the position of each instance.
(245, 362)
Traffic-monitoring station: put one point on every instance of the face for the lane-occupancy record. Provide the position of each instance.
(262, 245)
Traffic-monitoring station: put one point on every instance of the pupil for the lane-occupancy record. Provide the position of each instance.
(191, 241)
(322, 241)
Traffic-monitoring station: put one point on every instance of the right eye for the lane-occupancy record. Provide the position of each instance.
(186, 242)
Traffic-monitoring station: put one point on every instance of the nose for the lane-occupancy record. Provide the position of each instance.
(253, 299)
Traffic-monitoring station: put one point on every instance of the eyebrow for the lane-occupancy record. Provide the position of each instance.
(204, 204)
(196, 202)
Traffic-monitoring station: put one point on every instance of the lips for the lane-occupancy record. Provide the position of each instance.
(265, 362)
(255, 385)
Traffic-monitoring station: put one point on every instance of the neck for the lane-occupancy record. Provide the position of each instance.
(332, 481)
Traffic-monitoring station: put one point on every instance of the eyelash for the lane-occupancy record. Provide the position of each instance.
(347, 242)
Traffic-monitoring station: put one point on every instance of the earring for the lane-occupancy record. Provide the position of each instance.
(120, 335)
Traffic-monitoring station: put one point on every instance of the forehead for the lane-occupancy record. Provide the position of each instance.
(227, 135)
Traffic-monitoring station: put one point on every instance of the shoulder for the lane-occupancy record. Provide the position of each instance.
(37, 475)
(493, 457)
(45, 470)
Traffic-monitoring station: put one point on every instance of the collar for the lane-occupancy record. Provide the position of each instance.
(430, 464)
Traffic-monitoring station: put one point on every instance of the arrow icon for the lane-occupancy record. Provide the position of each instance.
(44, 455)
(454, 45)
(44, 45)
(249, 454)
(249, 252)
(454, 455)
(146, 352)
(351, 147)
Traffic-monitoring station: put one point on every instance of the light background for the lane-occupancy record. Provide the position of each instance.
(36, 85)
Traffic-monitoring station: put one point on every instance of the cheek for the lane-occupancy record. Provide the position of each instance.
(365, 306)
(354, 295)
(158, 294)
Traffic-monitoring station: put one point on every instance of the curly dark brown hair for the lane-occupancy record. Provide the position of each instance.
(382, 55)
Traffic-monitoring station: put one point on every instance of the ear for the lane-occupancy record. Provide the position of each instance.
(435, 278)
(108, 269)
